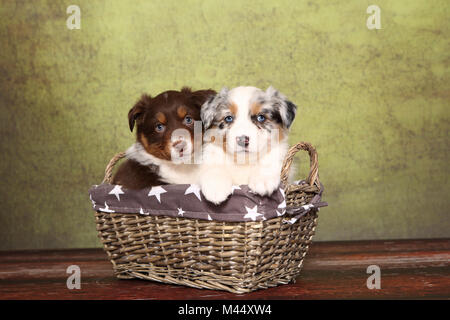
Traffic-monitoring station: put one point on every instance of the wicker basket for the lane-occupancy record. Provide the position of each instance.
(238, 257)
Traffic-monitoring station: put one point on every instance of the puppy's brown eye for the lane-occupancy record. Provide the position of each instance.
(188, 120)
(160, 127)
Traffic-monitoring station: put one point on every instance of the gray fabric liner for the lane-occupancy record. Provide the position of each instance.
(188, 202)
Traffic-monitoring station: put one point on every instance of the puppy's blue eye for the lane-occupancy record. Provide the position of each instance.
(159, 127)
(260, 118)
(188, 120)
(228, 119)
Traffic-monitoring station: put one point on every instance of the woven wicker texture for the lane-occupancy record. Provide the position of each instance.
(234, 256)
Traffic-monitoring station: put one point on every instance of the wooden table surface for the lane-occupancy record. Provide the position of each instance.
(410, 269)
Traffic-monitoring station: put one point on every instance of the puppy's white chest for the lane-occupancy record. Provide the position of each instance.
(241, 174)
(179, 174)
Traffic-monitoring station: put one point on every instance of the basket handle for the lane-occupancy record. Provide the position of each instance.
(110, 166)
(313, 177)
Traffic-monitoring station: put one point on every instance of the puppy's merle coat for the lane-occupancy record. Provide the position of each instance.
(246, 142)
(150, 158)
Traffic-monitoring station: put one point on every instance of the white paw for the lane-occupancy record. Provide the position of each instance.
(216, 191)
(264, 185)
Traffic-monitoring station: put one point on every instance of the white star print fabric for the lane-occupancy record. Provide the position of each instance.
(187, 201)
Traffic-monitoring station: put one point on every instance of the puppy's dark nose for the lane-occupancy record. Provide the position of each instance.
(243, 141)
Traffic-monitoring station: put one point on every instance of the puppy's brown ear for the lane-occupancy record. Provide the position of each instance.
(136, 113)
(201, 96)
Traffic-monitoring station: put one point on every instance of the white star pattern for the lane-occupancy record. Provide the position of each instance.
(291, 221)
(282, 193)
(307, 207)
(252, 213)
(195, 189)
(174, 200)
(235, 188)
(156, 191)
(92, 200)
(117, 190)
(180, 211)
(106, 209)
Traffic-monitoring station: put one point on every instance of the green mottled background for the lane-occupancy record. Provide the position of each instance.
(375, 103)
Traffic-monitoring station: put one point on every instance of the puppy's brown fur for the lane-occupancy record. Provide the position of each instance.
(169, 110)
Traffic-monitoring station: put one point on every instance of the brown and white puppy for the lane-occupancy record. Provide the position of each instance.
(164, 139)
(245, 142)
